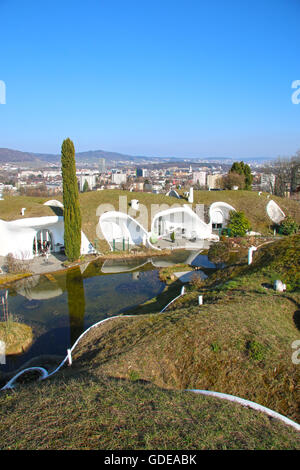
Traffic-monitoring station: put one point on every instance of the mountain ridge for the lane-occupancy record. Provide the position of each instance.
(8, 155)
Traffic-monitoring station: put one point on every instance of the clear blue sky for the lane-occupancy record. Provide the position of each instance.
(165, 78)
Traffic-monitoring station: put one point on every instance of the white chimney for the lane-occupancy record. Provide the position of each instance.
(191, 195)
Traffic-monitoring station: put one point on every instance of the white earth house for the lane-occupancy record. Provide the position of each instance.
(183, 221)
(23, 237)
(120, 229)
(219, 214)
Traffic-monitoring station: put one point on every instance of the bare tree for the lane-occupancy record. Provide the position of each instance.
(287, 171)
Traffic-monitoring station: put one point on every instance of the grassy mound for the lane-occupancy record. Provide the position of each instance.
(253, 205)
(281, 260)
(238, 342)
(95, 412)
(248, 201)
(17, 337)
(277, 260)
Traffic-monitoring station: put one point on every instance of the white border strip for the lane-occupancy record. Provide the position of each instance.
(10, 384)
(248, 404)
(180, 295)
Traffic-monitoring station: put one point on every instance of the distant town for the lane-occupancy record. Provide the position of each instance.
(279, 177)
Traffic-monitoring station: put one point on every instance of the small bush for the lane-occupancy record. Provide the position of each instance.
(238, 224)
(14, 265)
(219, 252)
(288, 226)
(197, 282)
(256, 350)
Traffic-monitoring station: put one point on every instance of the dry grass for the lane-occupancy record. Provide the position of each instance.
(17, 337)
(238, 342)
(91, 411)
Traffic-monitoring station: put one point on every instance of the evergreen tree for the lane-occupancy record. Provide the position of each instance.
(85, 187)
(248, 177)
(72, 216)
(244, 170)
(238, 224)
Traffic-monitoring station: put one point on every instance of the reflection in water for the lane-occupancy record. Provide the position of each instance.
(111, 266)
(38, 288)
(130, 264)
(178, 257)
(60, 306)
(76, 303)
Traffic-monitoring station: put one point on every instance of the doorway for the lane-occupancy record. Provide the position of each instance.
(42, 242)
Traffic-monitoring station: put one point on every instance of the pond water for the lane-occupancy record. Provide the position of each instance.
(60, 306)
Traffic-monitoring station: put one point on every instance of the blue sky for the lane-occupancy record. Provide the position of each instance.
(164, 78)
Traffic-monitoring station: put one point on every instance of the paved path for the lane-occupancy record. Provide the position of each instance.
(40, 265)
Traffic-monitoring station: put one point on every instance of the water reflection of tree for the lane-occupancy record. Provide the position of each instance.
(76, 303)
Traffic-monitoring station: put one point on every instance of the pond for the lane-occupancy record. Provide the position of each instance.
(61, 305)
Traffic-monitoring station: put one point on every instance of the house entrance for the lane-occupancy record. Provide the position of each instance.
(43, 242)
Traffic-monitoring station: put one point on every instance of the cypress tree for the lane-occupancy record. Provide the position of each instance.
(72, 216)
(76, 303)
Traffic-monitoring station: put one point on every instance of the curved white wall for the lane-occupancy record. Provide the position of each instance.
(173, 193)
(53, 203)
(219, 213)
(118, 225)
(17, 236)
(274, 212)
(178, 219)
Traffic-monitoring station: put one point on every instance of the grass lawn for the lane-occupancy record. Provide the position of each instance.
(238, 342)
(248, 201)
(92, 411)
(17, 336)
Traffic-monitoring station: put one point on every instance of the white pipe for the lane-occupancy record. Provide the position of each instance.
(69, 356)
(250, 253)
(248, 404)
(180, 295)
(10, 384)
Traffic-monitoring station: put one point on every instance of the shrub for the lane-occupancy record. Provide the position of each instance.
(256, 350)
(288, 226)
(219, 252)
(238, 224)
(197, 282)
(14, 265)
